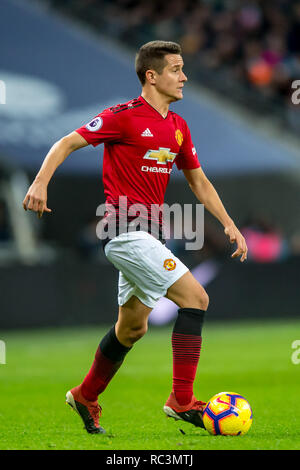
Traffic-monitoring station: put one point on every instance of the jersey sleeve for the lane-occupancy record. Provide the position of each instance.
(104, 127)
(187, 158)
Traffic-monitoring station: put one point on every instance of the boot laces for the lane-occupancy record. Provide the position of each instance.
(199, 405)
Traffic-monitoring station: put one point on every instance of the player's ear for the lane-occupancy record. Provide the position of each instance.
(150, 75)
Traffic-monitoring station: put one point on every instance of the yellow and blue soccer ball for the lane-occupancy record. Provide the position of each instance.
(228, 414)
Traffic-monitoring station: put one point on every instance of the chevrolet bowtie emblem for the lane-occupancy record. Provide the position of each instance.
(163, 155)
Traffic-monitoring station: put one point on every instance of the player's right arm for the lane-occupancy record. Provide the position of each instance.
(105, 127)
(36, 197)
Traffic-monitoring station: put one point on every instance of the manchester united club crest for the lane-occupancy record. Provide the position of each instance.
(169, 264)
(179, 137)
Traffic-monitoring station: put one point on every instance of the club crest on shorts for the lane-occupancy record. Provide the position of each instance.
(179, 137)
(169, 264)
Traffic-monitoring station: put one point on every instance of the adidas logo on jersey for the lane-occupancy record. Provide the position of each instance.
(147, 133)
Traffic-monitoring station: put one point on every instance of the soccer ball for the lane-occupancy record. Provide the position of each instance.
(227, 413)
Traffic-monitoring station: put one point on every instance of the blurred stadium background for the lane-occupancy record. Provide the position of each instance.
(66, 61)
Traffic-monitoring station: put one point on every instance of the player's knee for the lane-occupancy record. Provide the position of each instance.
(136, 333)
(201, 301)
(201, 298)
(198, 299)
(204, 301)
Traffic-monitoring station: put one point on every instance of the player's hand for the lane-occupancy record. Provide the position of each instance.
(36, 199)
(235, 236)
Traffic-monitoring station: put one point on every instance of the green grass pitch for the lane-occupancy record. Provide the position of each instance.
(253, 359)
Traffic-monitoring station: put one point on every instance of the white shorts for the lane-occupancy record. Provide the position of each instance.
(147, 267)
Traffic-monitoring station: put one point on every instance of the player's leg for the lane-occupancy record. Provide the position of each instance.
(187, 292)
(192, 301)
(132, 321)
(131, 326)
(111, 352)
(155, 272)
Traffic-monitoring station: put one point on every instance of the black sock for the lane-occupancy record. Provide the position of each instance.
(112, 348)
(189, 321)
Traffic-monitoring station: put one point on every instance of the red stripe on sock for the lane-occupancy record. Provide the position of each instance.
(186, 354)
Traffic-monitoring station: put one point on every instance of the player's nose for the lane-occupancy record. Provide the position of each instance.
(183, 77)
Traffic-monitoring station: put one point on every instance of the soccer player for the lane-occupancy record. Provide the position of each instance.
(142, 140)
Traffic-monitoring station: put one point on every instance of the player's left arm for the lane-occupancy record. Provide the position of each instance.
(208, 196)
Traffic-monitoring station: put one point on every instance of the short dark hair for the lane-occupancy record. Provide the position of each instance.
(152, 56)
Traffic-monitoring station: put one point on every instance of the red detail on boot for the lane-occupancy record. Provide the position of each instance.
(194, 404)
(93, 406)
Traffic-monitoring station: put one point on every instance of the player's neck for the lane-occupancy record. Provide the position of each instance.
(158, 102)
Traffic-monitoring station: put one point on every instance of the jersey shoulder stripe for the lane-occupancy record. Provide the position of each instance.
(175, 115)
(126, 106)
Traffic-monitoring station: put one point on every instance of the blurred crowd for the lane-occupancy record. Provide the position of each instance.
(267, 241)
(5, 231)
(248, 49)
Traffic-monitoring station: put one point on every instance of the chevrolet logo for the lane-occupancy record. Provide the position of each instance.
(163, 155)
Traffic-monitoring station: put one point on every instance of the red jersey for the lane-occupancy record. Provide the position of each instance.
(140, 148)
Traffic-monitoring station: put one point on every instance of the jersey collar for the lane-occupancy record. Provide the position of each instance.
(153, 109)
